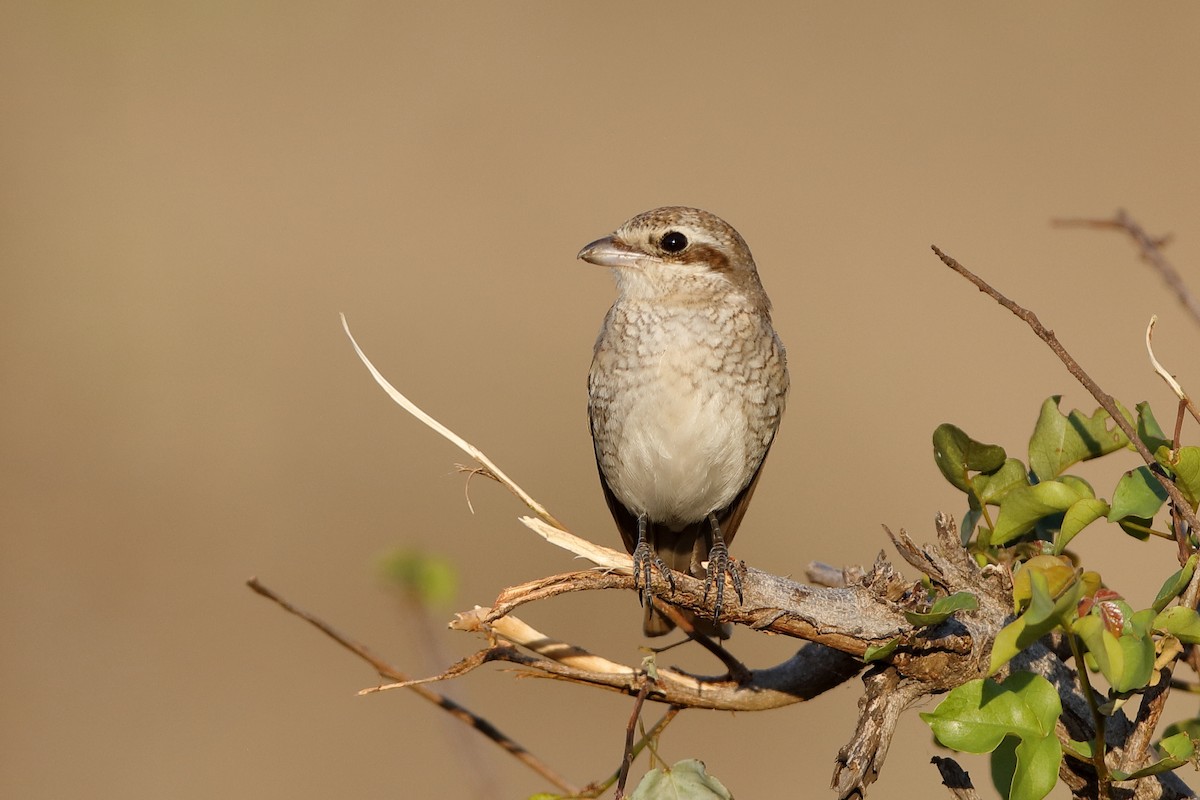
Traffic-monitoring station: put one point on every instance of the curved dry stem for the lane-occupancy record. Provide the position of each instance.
(459, 442)
(1167, 377)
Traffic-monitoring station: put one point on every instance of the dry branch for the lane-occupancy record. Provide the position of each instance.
(1149, 248)
(393, 673)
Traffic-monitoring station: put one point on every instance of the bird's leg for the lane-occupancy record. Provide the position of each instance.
(644, 558)
(718, 568)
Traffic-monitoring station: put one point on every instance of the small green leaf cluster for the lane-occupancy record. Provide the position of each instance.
(1042, 499)
(1025, 516)
(428, 579)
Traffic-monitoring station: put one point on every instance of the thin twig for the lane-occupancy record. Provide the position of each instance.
(1150, 250)
(459, 442)
(630, 729)
(390, 672)
(737, 670)
(1103, 398)
(600, 787)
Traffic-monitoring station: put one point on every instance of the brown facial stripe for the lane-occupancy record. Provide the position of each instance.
(705, 254)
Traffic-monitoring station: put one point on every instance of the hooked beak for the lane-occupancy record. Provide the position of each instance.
(609, 252)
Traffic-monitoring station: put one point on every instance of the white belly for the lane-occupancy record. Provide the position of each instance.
(682, 451)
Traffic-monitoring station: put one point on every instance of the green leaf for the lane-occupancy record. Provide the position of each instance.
(1189, 726)
(1003, 763)
(1037, 768)
(1042, 605)
(1081, 487)
(1054, 573)
(1023, 507)
(1044, 615)
(1175, 584)
(1148, 429)
(1142, 623)
(431, 580)
(1081, 514)
(1179, 749)
(875, 652)
(1179, 745)
(992, 487)
(1182, 623)
(1012, 639)
(686, 780)
(1126, 661)
(942, 608)
(1186, 466)
(1138, 494)
(1137, 527)
(1081, 750)
(976, 717)
(1060, 440)
(956, 454)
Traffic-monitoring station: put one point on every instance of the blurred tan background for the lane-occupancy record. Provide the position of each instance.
(193, 191)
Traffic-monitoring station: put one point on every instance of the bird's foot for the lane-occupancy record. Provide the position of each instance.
(719, 565)
(643, 560)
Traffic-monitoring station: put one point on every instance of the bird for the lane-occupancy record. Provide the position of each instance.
(686, 390)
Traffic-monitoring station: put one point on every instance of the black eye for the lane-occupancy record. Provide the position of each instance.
(673, 242)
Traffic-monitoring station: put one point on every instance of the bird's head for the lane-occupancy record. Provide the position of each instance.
(678, 251)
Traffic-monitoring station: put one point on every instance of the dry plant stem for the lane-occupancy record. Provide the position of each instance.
(462, 444)
(390, 672)
(955, 779)
(1150, 250)
(1169, 379)
(1183, 405)
(1103, 398)
(630, 729)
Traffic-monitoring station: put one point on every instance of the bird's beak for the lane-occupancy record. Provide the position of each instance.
(609, 252)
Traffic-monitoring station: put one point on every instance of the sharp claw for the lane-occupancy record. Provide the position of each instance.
(718, 567)
(645, 561)
(665, 571)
